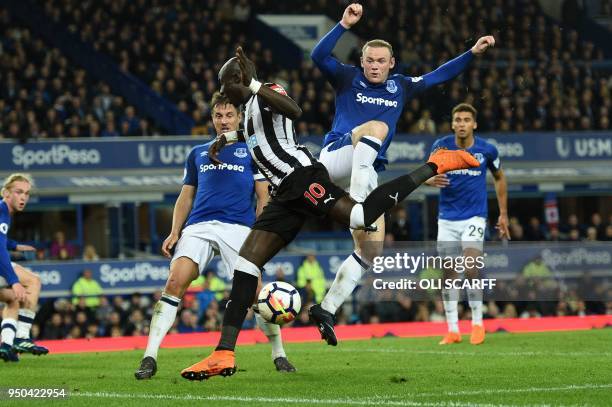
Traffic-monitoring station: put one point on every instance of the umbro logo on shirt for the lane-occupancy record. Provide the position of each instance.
(203, 153)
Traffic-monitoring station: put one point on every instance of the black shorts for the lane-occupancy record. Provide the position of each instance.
(305, 192)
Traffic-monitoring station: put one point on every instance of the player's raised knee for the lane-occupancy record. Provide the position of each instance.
(373, 128)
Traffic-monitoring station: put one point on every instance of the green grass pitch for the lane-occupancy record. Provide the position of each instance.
(561, 368)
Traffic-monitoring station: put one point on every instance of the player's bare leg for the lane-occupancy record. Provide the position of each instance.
(259, 247)
(27, 312)
(477, 336)
(182, 272)
(9, 325)
(450, 299)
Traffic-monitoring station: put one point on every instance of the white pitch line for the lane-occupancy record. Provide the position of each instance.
(464, 353)
(246, 399)
(524, 390)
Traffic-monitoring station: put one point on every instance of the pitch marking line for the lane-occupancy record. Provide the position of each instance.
(464, 353)
(346, 401)
(525, 390)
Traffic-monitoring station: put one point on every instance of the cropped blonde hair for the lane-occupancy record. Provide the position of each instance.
(16, 177)
(377, 44)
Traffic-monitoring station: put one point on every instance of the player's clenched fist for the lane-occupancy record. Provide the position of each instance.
(482, 44)
(352, 14)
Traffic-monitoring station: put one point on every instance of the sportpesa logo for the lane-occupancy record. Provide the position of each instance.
(224, 166)
(361, 98)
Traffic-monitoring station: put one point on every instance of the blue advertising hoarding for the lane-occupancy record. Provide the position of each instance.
(170, 152)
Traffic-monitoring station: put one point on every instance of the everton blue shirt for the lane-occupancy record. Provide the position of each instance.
(359, 101)
(223, 192)
(6, 269)
(466, 196)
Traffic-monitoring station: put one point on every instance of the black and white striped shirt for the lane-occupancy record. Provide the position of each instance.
(272, 141)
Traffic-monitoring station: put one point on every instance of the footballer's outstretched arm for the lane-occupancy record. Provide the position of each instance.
(280, 103)
(182, 207)
(501, 190)
(455, 66)
(322, 52)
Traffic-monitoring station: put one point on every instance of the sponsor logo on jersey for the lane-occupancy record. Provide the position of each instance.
(361, 98)
(391, 86)
(4, 228)
(471, 173)
(221, 167)
(416, 79)
(241, 152)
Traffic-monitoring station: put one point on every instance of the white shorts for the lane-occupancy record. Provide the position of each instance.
(201, 241)
(454, 236)
(337, 157)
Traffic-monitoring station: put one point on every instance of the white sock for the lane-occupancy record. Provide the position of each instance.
(451, 300)
(364, 154)
(475, 301)
(357, 220)
(164, 315)
(24, 323)
(273, 332)
(348, 276)
(8, 331)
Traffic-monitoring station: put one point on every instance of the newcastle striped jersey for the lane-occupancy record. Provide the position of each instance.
(272, 140)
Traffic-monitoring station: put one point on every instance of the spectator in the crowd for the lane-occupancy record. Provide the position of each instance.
(311, 270)
(54, 328)
(535, 231)
(59, 243)
(87, 287)
(188, 322)
(400, 229)
(90, 253)
(597, 223)
(536, 269)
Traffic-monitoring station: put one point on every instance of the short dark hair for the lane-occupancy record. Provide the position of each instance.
(465, 107)
(219, 98)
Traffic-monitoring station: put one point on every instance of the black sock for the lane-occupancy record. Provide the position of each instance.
(241, 298)
(387, 195)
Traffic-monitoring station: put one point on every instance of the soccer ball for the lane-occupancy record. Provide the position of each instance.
(279, 302)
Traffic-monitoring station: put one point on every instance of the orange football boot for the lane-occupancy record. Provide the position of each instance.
(220, 362)
(450, 338)
(478, 335)
(450, 160)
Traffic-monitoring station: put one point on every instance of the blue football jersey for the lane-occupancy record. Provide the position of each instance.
(358, 101)
(6, 269)
(225, 192)
(466, 196)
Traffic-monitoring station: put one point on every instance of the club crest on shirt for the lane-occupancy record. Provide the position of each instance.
(479, 157)
(391, 86)
(241, 152)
